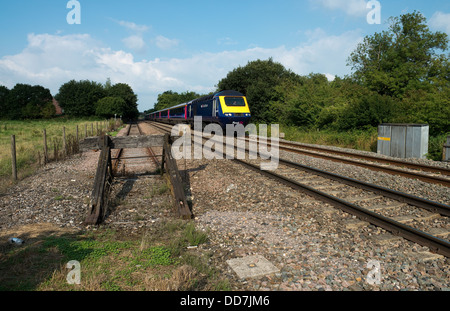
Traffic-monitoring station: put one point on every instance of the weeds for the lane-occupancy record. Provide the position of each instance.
(111, 260)
(30, 142)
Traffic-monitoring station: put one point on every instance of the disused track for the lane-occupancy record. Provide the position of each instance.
(134, 161)
(393, 222)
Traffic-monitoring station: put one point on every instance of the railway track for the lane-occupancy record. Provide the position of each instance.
(422, 221)
(134, 161)
(427, 173)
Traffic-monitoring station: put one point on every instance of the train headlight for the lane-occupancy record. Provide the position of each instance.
(228, 114)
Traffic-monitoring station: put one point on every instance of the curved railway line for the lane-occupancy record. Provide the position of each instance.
(400, 213)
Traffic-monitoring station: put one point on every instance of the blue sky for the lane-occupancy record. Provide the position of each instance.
(156, 46)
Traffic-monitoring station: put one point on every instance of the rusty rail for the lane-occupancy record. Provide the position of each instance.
(98, 205)
(182, 209)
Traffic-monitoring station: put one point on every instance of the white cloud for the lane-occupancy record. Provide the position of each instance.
(132, 26)
(135, 43)
(165, 43)
(226, 41)
(440, 21)
(51, 60)
(355, 8)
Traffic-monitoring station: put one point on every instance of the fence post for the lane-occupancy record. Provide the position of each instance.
(64, 142)
(13, 157)
(45, 148)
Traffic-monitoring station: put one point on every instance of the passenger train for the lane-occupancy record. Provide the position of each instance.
(225, 107)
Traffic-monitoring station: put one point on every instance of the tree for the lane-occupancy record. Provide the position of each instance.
(125, 92)
(401, 59)
(258, 80)
(107, 107)
(4, 91)
(171, 98)
(26, 102)
(79, 98)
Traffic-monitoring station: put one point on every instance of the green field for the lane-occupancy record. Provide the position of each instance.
(30, 142)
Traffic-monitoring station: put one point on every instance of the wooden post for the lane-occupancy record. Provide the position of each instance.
(92, 129)
(13, 157)
(77, 133)
(85, 131)
(64, 142)
(102, 183)
(45, 148)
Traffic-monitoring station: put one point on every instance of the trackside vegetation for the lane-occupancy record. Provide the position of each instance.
(401, 75)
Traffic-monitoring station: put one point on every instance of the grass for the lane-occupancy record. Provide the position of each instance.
(360, 140)
(111, 260)
(30, 142)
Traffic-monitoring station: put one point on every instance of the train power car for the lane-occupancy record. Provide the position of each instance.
(225, 107)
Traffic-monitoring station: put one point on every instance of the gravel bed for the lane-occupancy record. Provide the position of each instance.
(419, 188)
(246, 214)
(441, 164)
(58, 193)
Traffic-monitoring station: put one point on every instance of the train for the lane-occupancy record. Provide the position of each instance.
(224, 107)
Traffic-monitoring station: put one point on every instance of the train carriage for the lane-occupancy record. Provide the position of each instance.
(225, 107)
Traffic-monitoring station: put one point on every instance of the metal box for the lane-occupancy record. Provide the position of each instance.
(403, 140)
(446, 153)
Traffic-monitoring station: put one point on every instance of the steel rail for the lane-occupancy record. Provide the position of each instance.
(432, 206)
(149, 150)
(435, 244)
(390, 170)
(118, 154)
(423, 167)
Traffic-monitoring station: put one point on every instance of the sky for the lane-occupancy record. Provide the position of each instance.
(156, 46)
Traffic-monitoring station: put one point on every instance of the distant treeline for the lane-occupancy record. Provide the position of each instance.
(398, 76)
(76, 98)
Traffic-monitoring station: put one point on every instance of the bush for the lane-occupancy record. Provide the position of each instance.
(436, 146)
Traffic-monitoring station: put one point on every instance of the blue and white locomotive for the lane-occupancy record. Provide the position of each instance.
(225, 107)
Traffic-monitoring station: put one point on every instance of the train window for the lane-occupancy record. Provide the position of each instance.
(235, 101)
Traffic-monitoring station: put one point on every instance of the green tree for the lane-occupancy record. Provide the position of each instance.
(4, 91)
(125, 92)
(432, 108)
(258, 81)
(26, 102)
(403, 58)
(107, 107)
(78, 98)
(171, 98)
